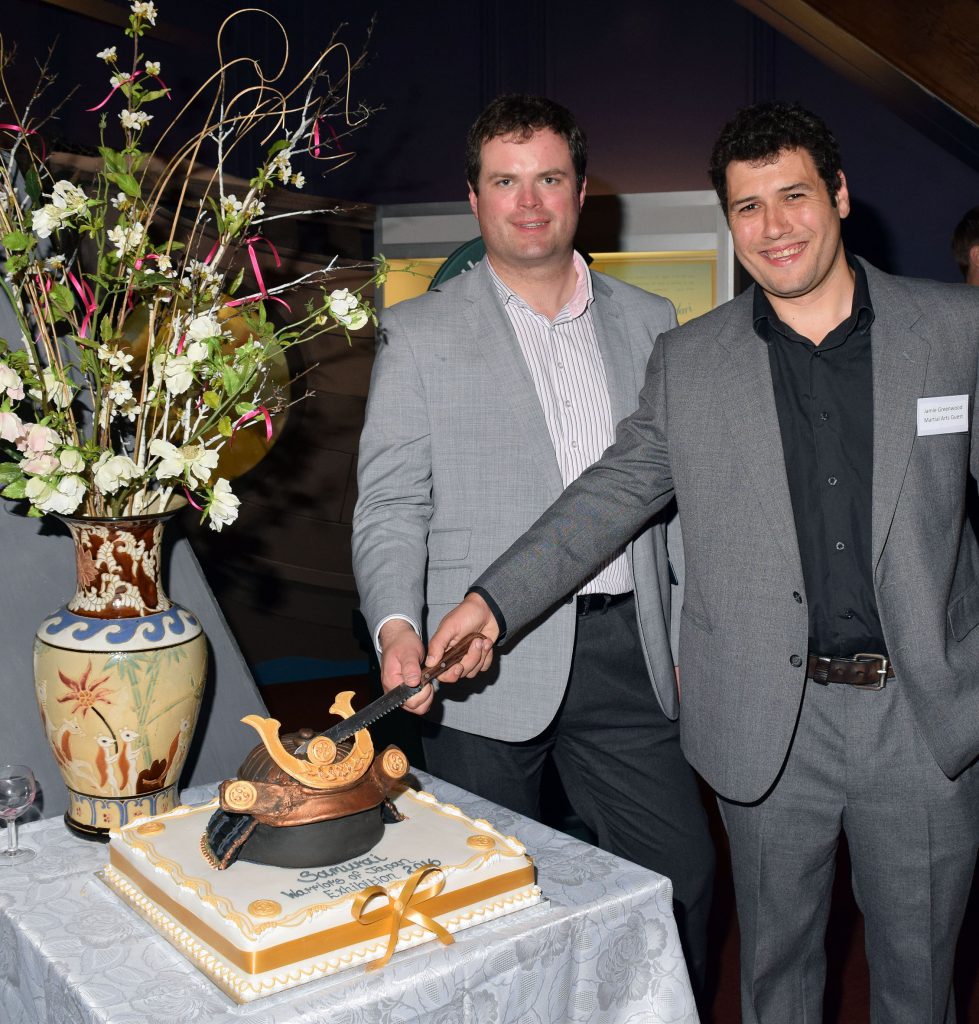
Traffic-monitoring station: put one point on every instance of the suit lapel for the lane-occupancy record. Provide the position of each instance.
(900, 362)
(748, 400)
(616, 352)
(497, 345)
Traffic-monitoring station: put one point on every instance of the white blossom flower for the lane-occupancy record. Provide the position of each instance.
(165, 265)
(222, 507)
(47, 219)
(178, 374)
(114, 471)
(230, 204)
(121, 360)
(255, 208)
(281, 165)
(11, 426)
(59, 393)
(126, 239)
(129, 410)
(145, 9)
(121, 201)
(120, 79)
(195, 352)
(108, 55)
(70, 460)
(41, 464)
(192, 463)
(202, 327)
(67, 196)
(299, 179)
(153, 68)
(10, 383)
(120, 392)
(135, 120)
(63, 497)
(37, 439)
(346, 309)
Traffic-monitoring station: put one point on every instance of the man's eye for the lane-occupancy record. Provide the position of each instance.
(747, 208)
(504, 181)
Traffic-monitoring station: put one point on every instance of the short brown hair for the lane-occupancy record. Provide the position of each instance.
(522, 115)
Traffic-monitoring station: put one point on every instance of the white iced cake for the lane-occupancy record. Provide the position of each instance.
(255, 930)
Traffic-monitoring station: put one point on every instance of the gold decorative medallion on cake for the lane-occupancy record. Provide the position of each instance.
(255, 929)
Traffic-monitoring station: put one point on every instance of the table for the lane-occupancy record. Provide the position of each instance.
(603, 950)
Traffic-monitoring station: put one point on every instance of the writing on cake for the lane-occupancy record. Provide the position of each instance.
(353, 875)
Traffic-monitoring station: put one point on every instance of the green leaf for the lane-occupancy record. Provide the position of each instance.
(224, 426)
(62, 299)
(212, 400)
(232, 380)
(16, 241)
(105, 328)
(9, 471)
(34, 513)
(17, 263)
(236, 283)
(32, 185)
(114, 162)
(242, 407)
(277, 147)
(154, 94)
(16, 490)
(126, 182)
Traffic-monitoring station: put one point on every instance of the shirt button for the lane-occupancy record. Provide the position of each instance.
(567, 403)
(797, 596)
(795, 661)
(847, 613)
(817, 354)
(824, 416)
(574, 444)
(832, 481)
(840, 545)
(560, 366)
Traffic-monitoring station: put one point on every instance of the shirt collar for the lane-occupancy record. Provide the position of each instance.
(766, 320)
(580, 300)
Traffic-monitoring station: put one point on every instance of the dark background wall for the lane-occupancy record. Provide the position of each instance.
(651, 81)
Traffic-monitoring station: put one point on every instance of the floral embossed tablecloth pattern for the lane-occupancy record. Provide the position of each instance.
(604, 950)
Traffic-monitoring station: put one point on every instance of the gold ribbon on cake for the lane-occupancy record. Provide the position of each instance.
(404, 906)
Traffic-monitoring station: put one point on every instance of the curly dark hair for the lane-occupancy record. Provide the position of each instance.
(522, 115)
(757, 134)
(965, 236)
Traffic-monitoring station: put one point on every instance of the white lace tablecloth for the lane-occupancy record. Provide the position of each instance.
(602, 950)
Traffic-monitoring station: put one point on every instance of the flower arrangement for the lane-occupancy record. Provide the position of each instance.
(103, 419)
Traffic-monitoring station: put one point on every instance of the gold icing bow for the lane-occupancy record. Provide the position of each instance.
(400, 908)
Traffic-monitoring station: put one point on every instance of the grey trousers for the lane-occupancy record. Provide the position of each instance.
(858, 765)
(618, 757)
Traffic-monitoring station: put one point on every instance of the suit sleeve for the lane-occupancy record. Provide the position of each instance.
(595, 516)
(394, 480)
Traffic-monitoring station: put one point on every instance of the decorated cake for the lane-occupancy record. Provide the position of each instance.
(255, 929)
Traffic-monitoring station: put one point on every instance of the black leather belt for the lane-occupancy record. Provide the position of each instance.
(865, 671)
(599, 604)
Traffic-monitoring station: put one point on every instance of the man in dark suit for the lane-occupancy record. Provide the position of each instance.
(818, 432)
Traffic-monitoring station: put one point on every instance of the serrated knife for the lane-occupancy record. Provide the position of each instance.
(393, 698)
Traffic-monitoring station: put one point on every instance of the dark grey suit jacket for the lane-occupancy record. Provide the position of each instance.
(456, 462)
(707, 428)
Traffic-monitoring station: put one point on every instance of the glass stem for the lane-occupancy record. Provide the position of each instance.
(12, 836)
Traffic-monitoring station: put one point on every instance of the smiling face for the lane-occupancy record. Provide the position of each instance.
(528, 202)
(785, 228)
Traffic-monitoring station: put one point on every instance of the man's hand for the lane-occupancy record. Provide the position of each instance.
(401, 658)
(472, 616)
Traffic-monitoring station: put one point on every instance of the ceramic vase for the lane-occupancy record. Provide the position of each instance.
(119, 674)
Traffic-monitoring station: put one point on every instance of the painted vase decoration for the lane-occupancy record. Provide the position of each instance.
(119, 674)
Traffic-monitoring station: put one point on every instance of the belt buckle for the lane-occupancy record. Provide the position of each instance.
(881, 672)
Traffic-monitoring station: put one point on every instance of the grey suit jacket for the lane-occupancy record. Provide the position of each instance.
(707, 428)
(456, 462)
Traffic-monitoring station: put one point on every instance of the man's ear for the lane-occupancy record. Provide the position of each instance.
(581, 194)
(473, 199)
(843, 197)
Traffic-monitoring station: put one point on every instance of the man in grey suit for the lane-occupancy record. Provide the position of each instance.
(489, 395)
(818, 433)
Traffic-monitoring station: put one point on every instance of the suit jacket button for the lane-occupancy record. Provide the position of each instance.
(795, 661)
(797, 596)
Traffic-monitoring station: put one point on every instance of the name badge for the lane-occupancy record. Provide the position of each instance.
(947, 414)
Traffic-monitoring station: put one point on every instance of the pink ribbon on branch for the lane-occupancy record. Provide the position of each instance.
(191, 500)
(241, 421)
(87, 296)
(263, 292)
(127, 81)
(25, 132)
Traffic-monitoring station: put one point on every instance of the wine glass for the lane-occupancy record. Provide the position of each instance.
(17, 790)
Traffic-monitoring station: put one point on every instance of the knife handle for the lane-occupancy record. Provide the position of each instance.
(451, 657)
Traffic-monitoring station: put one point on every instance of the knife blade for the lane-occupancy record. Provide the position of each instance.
(393, 698)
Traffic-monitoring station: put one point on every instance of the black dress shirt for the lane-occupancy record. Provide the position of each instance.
(824, 398)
